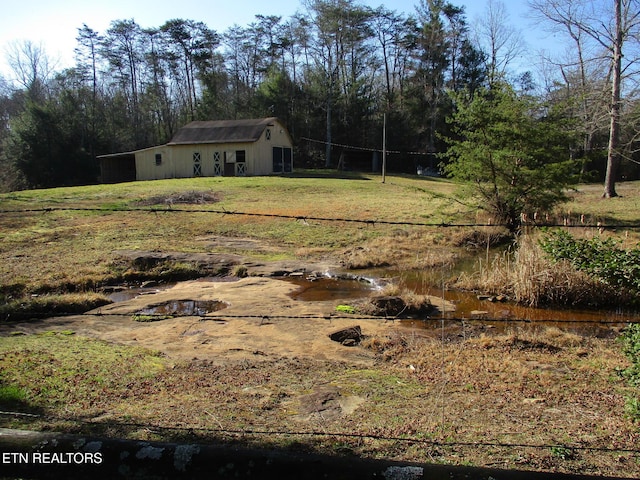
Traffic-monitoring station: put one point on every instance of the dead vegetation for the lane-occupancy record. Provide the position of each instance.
(401, 249)
(478, 239)
(528, 277)
(477, 400)
(47, 305)
(191, 197)
(394, 301)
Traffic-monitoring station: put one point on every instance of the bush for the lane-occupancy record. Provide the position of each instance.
(598, 257)
(527, 276)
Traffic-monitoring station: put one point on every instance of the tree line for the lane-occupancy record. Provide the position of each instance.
(330, 73)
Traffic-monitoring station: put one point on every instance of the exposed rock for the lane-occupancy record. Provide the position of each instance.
(327, 403)
(349, 337)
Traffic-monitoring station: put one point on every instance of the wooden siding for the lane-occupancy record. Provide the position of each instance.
(177, 161)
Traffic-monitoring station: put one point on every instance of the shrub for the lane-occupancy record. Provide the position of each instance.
(599, 257)
(527, 276)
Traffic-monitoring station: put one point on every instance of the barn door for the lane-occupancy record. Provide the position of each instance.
(287, 160)
(277, 159)
(229, 165)
(282, 160)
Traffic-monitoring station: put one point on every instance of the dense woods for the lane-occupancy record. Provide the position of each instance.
(330, 73)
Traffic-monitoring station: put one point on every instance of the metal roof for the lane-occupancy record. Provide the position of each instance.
(222, 131)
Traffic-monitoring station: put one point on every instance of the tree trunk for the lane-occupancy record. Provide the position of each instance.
(614, 132)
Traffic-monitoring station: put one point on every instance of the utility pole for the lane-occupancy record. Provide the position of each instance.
(384, 148)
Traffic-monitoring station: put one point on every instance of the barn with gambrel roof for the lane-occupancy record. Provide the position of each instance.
(206, 149)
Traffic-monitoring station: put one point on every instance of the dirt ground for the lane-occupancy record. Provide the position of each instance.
(265, 361)
(253, 325)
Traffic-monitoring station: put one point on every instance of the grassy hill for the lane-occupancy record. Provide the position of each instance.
(51, 250)
(527, 399)
(63, 240)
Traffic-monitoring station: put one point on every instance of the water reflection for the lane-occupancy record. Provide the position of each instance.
(470, 307)
(318, 289)
(183, 307)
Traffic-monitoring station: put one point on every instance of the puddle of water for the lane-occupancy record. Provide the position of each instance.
(184, 307)
(122, 294)
(507, 314)
(343, 287)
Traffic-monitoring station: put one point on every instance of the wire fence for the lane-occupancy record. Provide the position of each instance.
(327, 434)
(438, 320)
(435, 320)
(579, 222)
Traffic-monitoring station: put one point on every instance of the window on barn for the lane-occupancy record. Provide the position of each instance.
(267, 135)
(197, 165)
(158, 159)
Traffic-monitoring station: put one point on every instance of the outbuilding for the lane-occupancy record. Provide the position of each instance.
(206, 149)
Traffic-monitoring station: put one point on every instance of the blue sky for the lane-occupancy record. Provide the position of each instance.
(55, 22)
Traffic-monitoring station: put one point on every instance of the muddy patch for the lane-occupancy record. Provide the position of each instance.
(206, 263)
(190, 197)
(220, 264)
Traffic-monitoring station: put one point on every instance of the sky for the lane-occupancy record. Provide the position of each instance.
(54, 23)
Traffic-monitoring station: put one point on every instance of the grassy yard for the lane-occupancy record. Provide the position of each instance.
(67, 250)
(55, 249)
(454, 400)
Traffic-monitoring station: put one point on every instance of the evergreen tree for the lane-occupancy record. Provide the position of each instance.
(510, 152)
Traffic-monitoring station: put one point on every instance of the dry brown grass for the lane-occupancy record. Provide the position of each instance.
(528, 277)
(395, 301)
(544, 387)
(401, 249)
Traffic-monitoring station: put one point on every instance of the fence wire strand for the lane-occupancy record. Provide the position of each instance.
(305, 218)
(315, 433)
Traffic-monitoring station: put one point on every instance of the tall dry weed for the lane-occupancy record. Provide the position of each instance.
(411, 250)
(528, 277)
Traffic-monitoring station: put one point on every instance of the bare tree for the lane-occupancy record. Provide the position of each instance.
(501, 42)
(610, 26)
(30, 65)
(583, 71)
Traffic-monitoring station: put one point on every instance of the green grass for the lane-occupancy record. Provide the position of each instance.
(61, 247)
(11, 396)
(72, 250)
(58, 370)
